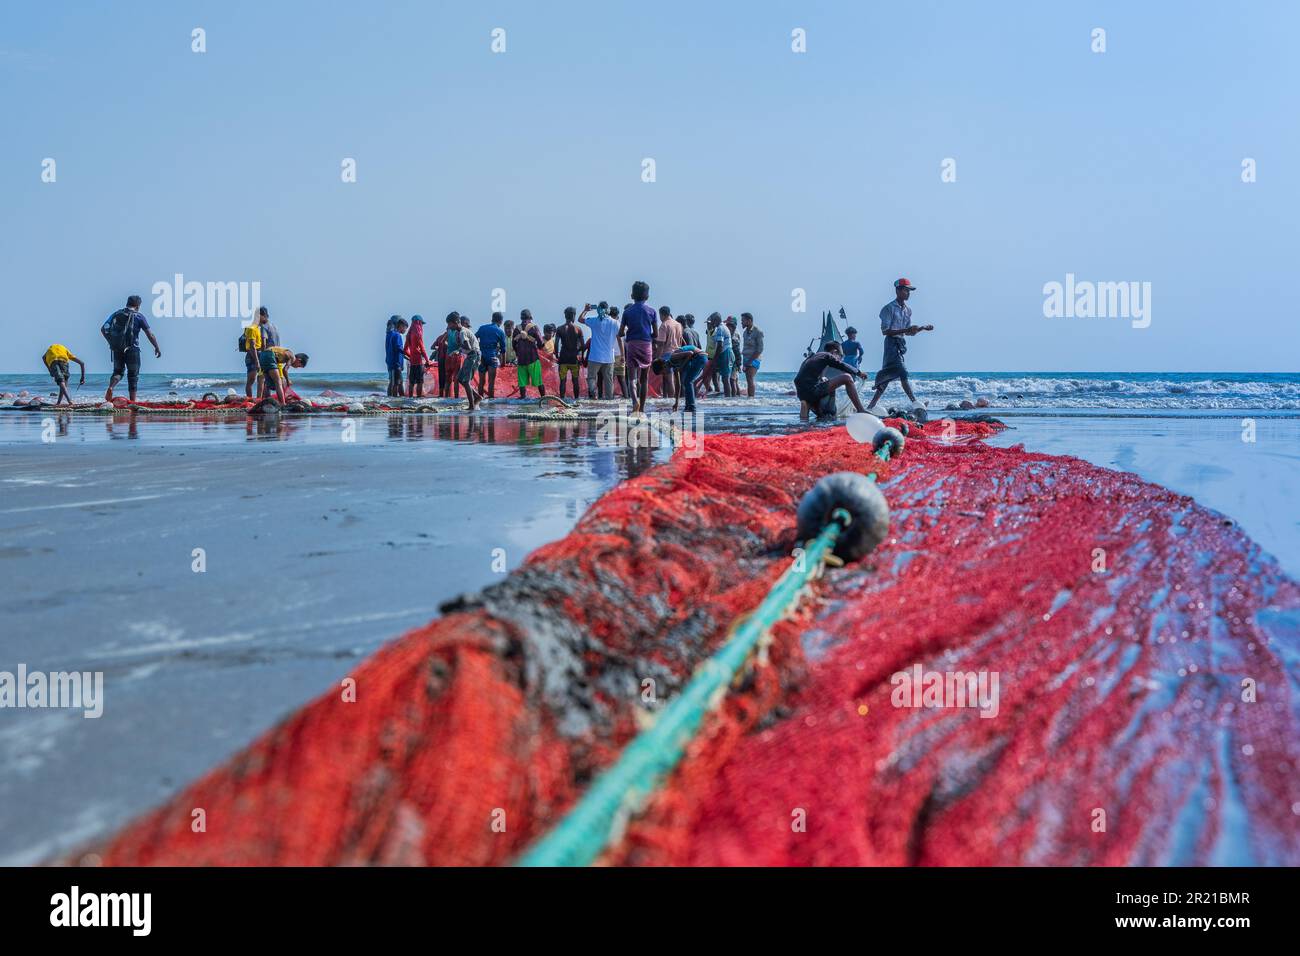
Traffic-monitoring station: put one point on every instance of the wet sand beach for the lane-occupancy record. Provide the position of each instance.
(318, 550)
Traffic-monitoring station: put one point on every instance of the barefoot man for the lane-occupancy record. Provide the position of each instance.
(817, 393)
(895, 323)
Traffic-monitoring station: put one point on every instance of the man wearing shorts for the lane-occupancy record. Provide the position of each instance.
(122, 332)
(56, 361)
(638, 331)
(528, 356)
(817, 393)
(275, 363)
(751, 351)
(416, 357)
(260, 334)
(570, 349)
(491, 346)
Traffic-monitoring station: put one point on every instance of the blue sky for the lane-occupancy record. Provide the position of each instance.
(775, 170)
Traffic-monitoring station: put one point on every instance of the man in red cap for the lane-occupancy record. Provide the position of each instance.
(895, 323)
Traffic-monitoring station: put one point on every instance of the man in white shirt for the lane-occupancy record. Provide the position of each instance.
(600, 350)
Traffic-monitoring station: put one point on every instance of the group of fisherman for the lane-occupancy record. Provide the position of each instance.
(619, 352)
(266, 362)
(816, 388)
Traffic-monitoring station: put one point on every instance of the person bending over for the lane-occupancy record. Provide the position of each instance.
(276, 363)
(56, 359)
(818, 393)
(687, 362)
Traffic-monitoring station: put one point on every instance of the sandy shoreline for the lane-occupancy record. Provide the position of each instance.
(314, 557)
(317, 551)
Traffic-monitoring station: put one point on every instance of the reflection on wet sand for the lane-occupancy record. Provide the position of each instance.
(570, 441)
(610, 446)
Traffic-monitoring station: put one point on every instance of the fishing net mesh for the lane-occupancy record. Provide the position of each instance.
(1143, 711)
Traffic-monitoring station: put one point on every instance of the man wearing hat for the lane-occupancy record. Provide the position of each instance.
(895, 323)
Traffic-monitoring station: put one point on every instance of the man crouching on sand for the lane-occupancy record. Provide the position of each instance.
(816, 392)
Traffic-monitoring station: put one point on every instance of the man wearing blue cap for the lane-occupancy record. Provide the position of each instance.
(895, 323)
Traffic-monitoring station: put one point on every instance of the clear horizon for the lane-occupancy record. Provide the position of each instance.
(775, 170)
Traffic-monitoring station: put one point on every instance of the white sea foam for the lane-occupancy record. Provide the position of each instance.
(202, 382)
(1117, 392)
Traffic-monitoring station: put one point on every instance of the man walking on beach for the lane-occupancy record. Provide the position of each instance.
(751, 351)
(600, 351)
(469, 351)
(393, 354)
(895, 323)
(121, 331)
(492, 348)
(638, 329)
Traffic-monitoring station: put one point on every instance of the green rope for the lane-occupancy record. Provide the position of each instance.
(596, 821)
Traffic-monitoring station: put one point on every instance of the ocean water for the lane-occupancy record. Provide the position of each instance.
(1136, 391)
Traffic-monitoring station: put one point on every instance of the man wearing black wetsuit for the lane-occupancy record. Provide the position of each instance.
(813, 388)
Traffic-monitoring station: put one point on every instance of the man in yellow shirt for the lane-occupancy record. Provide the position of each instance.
(56, 361)
(259, 335)
(275, 363)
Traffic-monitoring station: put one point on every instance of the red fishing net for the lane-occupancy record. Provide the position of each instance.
(1144, 712)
